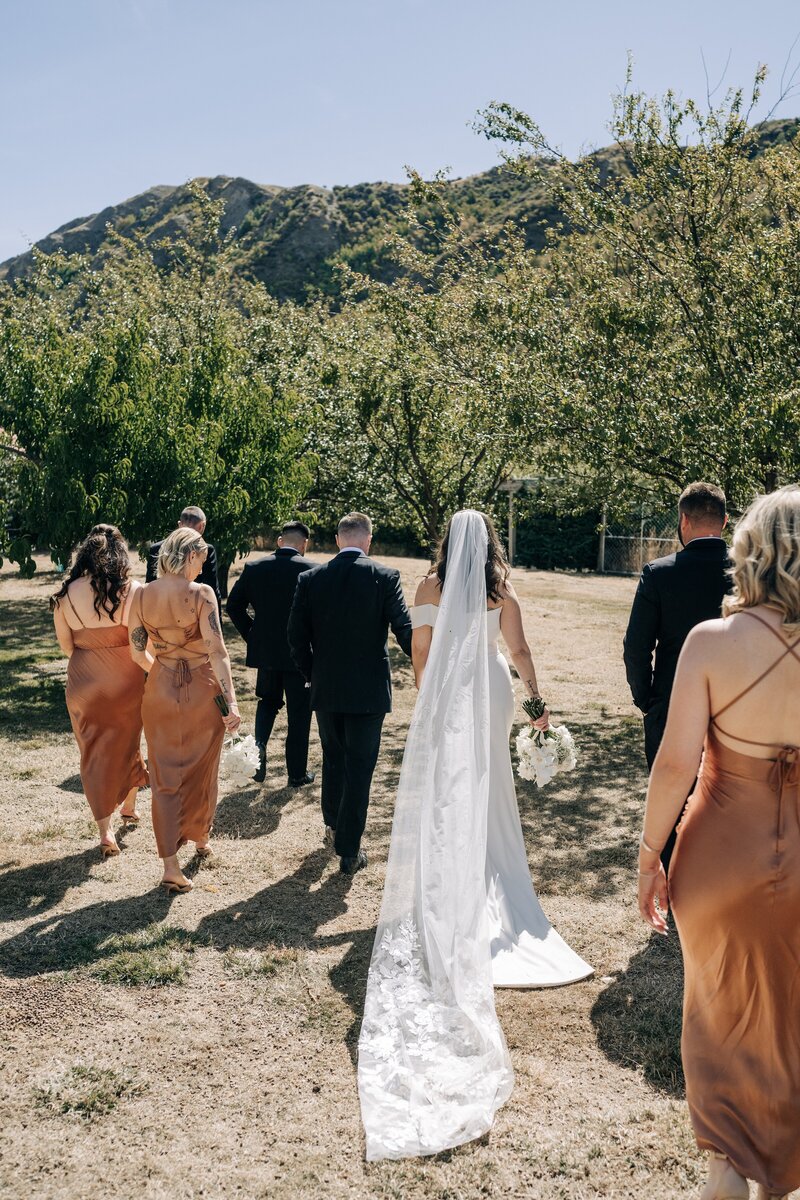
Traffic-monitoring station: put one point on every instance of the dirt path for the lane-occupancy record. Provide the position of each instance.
(204, 1046)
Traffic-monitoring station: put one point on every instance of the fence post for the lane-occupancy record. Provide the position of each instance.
(641, 541)
(512, 530)
(601, 545)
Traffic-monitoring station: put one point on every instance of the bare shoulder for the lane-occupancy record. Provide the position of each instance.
(708, 640)
(506, 592)
(428, 591)
(205, 592)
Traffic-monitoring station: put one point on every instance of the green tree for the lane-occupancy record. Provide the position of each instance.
(674, 282)
(424, 381)
(156, 381)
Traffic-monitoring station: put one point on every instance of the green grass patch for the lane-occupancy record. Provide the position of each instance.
(153, 957)
(251, 964)
(86, 1091)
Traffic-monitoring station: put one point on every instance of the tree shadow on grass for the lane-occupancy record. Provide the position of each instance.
(32, 699)
(582, 828)
(637, 1019)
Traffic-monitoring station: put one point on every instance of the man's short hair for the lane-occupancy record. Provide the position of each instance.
(703, 503)
(192, 515)
(296, 529)
(355, 523)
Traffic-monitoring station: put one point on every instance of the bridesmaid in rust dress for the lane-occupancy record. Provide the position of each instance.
(104, 688)
(175, 635)
(734, 881)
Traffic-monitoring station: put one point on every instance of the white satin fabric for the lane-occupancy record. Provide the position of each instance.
(459, 912)
(526, 950)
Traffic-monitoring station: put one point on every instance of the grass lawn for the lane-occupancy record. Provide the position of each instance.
(204, 1045)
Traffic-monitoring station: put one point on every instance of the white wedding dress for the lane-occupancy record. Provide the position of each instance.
(459, 913)
(526, 950)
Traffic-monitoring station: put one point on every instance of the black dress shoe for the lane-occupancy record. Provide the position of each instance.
(349, 866)
(261, 769)
(309, 777)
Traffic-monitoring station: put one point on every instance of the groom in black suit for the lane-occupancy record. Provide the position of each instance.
(341, 614)
(267, 587)
(675, 593)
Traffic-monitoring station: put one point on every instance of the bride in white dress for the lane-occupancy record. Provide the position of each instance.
(459, 914)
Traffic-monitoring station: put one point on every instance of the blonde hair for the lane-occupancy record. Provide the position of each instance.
(766, 556)
(176, 549)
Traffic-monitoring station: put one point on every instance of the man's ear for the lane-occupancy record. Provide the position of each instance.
(725, 522)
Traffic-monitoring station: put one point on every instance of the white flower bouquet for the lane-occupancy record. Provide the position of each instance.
(239, 760)
(543, 753)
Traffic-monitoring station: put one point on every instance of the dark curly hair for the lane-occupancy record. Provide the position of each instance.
(103, 556)
(497, 568)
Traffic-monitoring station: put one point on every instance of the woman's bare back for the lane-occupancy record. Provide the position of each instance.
(739, 650)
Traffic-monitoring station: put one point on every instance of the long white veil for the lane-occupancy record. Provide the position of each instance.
(433, 1067)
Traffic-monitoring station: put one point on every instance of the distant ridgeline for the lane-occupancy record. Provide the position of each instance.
(290, 239)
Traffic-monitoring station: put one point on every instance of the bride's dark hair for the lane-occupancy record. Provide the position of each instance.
(497, 568)
(103, 556)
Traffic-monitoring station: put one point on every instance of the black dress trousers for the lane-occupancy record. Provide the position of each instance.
(271, 688)
(350, 745)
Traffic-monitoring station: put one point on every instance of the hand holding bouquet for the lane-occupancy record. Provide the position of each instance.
(239, 760)
(543, 753)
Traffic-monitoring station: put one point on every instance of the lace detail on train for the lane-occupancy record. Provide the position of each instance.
(428, 1072)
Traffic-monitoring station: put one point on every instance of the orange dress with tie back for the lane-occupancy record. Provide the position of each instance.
(104, 701)
(734, 888)
(184, 733)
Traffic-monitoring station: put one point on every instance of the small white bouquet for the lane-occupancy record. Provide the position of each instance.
(543, 753)
(239, 760)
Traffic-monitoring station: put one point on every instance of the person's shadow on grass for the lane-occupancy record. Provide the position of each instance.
(637, 1019)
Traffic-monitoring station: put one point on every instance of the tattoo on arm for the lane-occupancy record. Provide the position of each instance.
(214, 622)
(139, 637)
(530, 684)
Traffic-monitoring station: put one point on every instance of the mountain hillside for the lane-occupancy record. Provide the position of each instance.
(290, 239)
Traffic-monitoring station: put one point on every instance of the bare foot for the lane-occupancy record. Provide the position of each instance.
(203, 849)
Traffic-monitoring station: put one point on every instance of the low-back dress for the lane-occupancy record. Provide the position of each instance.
(104, 701)
(184, 733)
(734, 888)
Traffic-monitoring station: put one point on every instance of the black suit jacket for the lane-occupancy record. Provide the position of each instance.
(674, 594)
(267, 586)
(207, 575)
(341, 615)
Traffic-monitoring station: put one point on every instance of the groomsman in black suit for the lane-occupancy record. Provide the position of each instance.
(267, 587)
(338, 625)
(675, 593)
(193, 518)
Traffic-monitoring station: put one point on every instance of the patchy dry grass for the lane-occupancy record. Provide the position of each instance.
(151, 957)
(241, 1081)
(85, 1091)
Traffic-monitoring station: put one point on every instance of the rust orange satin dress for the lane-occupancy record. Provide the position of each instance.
(184, 733)
(104, 701)
(734, 888)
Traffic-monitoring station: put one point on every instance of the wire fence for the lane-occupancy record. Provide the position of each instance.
(629, 542)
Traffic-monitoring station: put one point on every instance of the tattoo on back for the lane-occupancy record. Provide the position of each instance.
(139, 637)
(214, 622)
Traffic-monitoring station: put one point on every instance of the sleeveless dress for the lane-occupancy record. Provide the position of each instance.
(104, 701)
(184, 735)
(526, 950)
(734, 888)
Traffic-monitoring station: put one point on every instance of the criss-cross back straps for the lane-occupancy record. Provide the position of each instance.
(194, 629)
(788, 648)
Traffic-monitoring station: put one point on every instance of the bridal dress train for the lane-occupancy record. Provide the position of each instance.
(459, 914)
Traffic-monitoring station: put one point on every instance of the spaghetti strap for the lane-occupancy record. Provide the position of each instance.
(74, 609)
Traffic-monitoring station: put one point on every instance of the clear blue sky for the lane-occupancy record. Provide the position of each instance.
(100, 99)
